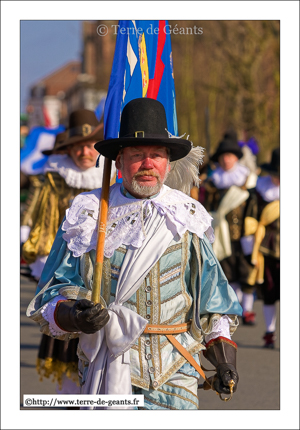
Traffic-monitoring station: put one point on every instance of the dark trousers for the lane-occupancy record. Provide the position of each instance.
(270, 289)
(237, 268)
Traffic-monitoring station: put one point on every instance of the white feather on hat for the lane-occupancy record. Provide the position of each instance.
(184, 173)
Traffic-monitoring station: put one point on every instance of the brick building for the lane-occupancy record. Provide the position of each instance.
(78, 84)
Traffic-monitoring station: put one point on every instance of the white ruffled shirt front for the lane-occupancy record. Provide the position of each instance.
(73, 175)
(267, 189)
(127, 217)
(236, 176)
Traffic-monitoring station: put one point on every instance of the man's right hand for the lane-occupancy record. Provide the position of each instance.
(81, 315)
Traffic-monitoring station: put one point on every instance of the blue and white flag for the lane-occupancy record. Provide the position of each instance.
(39, 139)
(99, 111)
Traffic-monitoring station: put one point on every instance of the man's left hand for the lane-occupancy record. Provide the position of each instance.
(225, 373)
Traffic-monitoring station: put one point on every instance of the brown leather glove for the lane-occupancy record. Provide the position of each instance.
(221, 352)
(81, 315)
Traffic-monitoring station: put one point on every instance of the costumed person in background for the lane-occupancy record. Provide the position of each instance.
(31, 178)
(164, 298)
(266, 250)
(69, 171)
(228, 197)
(32, 163)
(36, 184)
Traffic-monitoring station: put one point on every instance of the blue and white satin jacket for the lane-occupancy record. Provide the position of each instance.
(187, 283)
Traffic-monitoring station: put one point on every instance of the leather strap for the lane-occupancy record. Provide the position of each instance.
(167, 330)
(187, 355)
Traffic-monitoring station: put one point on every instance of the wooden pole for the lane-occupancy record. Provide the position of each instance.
(102, 219)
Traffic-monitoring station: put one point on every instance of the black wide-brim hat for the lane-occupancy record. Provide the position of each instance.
(274, 167)
(59, 140)
(83, 127)
(228, 144)
(144, 123)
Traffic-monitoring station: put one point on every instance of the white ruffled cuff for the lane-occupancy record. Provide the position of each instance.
(48, 313)
(220, 328)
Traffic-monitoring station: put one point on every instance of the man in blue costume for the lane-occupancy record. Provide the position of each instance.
(164, 295)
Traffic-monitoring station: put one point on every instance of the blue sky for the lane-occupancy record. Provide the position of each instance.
(44, 47)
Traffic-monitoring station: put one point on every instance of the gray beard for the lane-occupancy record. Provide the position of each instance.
(143, 190)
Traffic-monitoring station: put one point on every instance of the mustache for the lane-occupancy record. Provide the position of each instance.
(83, 157)
(146, 173)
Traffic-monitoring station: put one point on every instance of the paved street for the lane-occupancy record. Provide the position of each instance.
(258, 370)
(30, 339)
(258, 367)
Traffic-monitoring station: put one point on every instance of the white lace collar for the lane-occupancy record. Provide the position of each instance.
(236, 176)
(126, 219)
(267, 189)
(74, 177)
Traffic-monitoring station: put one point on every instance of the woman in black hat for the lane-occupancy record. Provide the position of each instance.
(266, 251)
(228, 198)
